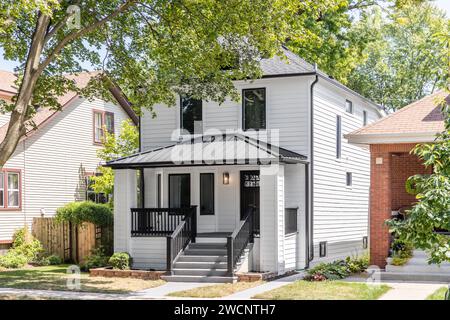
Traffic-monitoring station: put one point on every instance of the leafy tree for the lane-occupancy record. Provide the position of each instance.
(125, 144)
(407, 60)
(432, 211)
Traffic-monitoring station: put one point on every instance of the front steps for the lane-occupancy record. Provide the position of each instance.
(202, 262)
(417, 269)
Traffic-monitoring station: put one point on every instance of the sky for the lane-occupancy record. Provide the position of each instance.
(9, 65)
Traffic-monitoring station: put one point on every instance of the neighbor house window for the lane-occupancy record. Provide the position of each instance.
(102, 121)
(364, 117)
(206, 193)
(91, 195)
(10, 189)
(338, 137)
(179, 190)
(349, 179)
(191, 115)
(348, 106)
(254, 109)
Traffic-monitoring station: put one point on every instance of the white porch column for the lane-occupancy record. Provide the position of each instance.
(272, 219)
(125, 197)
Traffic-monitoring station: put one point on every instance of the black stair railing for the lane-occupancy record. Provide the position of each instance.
(185, 233)
(239, 239)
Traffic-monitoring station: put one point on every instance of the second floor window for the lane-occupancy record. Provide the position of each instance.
(348, 106)
(102, 121)
(191, 115)
(364, 117)
(10, 189)
(254, 109)
(338, 137)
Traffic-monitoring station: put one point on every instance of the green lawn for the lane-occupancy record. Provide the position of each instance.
(325, 290)
(13, 296)
(55, 278)
(439, 294)
(216, 291)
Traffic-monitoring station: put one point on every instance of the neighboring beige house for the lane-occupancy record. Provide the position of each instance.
(52, 163)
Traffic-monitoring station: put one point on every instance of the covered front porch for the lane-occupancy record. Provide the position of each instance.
(242, 213)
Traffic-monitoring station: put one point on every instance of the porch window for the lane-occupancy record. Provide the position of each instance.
(290, 220)
(349, 106)
(191, 115)
(206, 193)
(102, 121)
(338, 137)
(254, 109)
(179, 190)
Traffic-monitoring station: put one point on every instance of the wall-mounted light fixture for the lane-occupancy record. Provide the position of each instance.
(226, 178)
(323, 249)
(365, 242)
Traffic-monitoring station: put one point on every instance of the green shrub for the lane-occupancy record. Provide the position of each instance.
(399, 261)
(339, 269)
(54, 260)
(87, 211)
(96, 259)
(12, 260)
(120, 260)
(357, 264)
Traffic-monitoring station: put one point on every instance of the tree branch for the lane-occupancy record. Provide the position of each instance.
(77, 34)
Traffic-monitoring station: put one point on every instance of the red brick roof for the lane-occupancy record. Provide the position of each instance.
(45, 114)
(420, 118)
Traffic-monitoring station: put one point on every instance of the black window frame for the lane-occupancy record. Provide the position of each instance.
(365, 118)
(158, 189)
(181, 115)
(244, 127)
(168, 186)
(202, 213)
(349, 179)
(292, 227)
(338, 137)
(351, 106)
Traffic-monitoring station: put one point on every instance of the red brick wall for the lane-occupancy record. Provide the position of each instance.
(386, 190)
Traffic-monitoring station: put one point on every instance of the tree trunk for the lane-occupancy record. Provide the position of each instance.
(16, 127)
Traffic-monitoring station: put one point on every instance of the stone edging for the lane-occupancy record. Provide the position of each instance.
(136, 274)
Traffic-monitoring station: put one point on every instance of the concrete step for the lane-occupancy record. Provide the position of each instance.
(419, 268)
(207, 246)
(420, 254)
(211, 240)
(415, 277)
(200, 264)
(205, 252)
(199, 272)
(198, 258)
(209, 279)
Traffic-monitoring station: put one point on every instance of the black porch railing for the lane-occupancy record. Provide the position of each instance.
(185, 233)
(156, 222)
(239, 239)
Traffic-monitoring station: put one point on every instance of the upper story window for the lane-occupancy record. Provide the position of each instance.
(254, 109)
(191, 115)
(338, 137)
(348, 179)
(102, 121)
(365, 117)
(10, 189)
(349, 106)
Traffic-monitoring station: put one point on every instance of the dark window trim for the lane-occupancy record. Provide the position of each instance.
(158, 189)
(349, 179)
(243, 109)
(181, 113)
(352, 111)
(287, 230)
(213, 194)
(168, 184)
(323, 249)
(365, 117)
(338, 137)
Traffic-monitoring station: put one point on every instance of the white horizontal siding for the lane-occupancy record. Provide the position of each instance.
(4, 118)
(54, 161)
(340, 212)
(149, 253)
(290, 252)
(338, 251)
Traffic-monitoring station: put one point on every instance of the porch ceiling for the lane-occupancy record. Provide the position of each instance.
(234, 149)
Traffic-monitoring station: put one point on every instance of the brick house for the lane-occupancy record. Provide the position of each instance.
(390, 140)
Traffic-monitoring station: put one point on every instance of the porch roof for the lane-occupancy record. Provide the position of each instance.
(230, 149)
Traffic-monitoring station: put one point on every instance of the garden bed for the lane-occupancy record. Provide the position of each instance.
(109, 272)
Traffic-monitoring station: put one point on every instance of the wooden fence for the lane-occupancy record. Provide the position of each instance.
(71, 242)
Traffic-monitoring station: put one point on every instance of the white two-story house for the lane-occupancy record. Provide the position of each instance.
(55, 159)
(266, 184)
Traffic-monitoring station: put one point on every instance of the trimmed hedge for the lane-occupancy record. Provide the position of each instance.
(87, 211)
